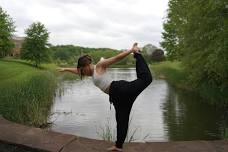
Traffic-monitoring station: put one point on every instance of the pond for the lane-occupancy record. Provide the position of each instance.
(160, 112)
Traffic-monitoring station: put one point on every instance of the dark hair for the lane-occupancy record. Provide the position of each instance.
(83, 61)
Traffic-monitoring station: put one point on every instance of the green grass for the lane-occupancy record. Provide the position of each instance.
(108, 133)
(226, 133)
(176, 75)
(26, 92)
(173, 72)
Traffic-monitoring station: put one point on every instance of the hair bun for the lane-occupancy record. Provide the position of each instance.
(84, 60)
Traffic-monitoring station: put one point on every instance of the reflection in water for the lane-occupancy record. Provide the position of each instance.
(160, 112)
(188, 117)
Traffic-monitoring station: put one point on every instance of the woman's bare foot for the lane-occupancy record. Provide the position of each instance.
(135, 48)
(114, 148)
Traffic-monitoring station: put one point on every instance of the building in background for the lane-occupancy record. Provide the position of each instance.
(18, 41)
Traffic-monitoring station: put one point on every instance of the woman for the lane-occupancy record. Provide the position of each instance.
(121, 93)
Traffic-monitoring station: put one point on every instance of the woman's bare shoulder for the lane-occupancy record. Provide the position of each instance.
(100, 64)
(100, 68)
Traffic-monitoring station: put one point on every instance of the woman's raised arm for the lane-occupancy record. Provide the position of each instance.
(114, 59)
(72, 70)
(106, 62)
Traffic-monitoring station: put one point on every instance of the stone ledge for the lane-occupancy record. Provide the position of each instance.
(18, 134)
(33, 137)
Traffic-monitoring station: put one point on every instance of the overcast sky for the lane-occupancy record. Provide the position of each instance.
(92, 23)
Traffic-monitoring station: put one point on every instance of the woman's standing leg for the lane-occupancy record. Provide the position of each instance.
(122, 119)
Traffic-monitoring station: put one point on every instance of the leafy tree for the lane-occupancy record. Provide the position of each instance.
(149, 49)
(158, 55)
(172, 35)
(6, 30)
(35, 46)
(196, 33)
(205, 43)
(170, 41)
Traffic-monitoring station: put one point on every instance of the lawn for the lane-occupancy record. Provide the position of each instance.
(26, 92)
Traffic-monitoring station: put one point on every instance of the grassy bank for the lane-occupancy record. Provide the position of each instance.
(176, 75)
(173, 72)
(26, 92)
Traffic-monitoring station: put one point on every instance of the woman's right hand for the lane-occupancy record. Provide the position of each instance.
(61, 69)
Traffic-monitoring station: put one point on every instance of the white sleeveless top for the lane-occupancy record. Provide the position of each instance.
(102, 81)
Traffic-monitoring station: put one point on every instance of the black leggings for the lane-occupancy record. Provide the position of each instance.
(123, 93)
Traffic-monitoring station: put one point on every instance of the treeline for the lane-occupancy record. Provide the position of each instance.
(196, 33)
(69, 54)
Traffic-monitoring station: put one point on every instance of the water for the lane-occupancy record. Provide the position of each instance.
(160, 113)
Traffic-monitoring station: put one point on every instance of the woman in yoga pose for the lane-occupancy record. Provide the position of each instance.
(122, 93)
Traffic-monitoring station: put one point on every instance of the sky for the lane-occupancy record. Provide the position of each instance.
(113, 24)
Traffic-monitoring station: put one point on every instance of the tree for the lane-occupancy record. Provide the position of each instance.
(158, 55)
(35, 46)
(173, 31)
(149, 49)
(170, 41)
(205, 43)
(196, 33)
(6, 30)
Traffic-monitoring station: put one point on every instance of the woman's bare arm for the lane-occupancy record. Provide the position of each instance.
(114, 59)
(106, 62)
(72, 70)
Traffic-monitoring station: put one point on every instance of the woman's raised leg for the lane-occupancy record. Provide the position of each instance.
(144, 77)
